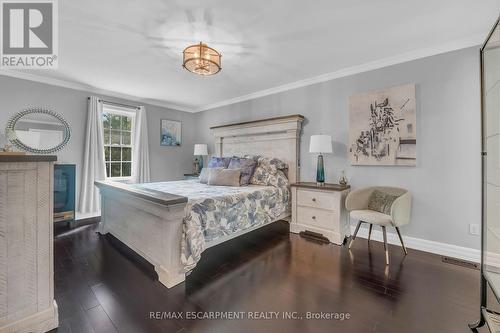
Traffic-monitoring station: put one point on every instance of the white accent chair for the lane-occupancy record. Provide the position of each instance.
(357, 204)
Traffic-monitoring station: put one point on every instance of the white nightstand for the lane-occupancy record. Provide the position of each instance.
(320, 209)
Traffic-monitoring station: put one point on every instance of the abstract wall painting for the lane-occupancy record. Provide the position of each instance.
(383, 127)
(170, 132)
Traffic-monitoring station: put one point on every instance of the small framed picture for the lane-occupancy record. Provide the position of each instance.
(170, 132)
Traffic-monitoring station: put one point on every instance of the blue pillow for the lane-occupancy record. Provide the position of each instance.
(247, 167)
(219, 162)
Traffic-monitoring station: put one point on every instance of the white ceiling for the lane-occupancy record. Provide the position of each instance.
(134, 47)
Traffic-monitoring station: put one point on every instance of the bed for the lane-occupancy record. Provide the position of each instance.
(170, 224)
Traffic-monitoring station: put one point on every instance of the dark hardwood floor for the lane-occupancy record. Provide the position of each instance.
(100, 287)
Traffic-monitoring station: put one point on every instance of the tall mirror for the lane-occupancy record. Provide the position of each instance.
(491, 168)
(38, 131)
(490, 98)
(490, 182)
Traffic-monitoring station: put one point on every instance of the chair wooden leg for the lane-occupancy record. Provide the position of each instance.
(401, 240)
(355, 233)
(384, 233)
(370, 232)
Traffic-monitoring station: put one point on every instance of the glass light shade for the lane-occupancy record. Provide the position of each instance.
(200, 149)
(320, 144)
(201, 59)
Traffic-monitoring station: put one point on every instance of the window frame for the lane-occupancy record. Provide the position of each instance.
(120, 111)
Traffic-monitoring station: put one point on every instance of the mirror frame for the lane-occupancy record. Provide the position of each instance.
(10, 131)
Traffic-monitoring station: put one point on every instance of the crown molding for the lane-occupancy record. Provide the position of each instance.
(369, 66)
(91, 89)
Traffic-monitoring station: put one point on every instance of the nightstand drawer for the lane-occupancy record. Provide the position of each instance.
(316, 199)
(317, 217)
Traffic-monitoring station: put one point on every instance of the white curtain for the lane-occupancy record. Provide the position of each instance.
(140, 153)
(94, 167)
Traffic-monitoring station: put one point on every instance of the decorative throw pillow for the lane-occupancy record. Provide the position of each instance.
(278, 180)
(381, 201)
(204, 175)
(224, 177)
(266, 168)
(219, 162)
(272, 164)
(262, 177)
(253, 157)
(247, 167)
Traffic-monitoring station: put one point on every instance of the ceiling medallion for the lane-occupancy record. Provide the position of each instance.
(201, 59)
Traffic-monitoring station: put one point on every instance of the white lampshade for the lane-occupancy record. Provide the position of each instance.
(320, 144)
(200, 149)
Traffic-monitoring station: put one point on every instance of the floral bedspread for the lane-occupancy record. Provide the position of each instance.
(216, 211)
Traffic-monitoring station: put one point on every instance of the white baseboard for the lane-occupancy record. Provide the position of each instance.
(83, 216)
(443, 249)
(492, 259)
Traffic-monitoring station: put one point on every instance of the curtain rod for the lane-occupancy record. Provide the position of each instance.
(117, 104)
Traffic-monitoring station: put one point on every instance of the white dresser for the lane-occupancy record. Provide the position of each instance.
(320, 209)
(26, 244)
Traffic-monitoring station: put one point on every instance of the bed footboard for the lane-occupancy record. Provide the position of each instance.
(147, 222)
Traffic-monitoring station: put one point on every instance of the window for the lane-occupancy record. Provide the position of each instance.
(118, 141)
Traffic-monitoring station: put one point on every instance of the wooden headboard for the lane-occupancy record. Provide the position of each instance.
(274, 137)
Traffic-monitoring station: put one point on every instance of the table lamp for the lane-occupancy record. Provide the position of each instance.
(320, 144)
(200, 149)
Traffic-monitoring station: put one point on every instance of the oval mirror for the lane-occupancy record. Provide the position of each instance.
(38, 131)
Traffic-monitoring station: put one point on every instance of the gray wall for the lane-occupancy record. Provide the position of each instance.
(446, 181)
(167, 163)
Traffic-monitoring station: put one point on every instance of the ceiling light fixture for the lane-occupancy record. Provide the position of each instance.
(201, 59)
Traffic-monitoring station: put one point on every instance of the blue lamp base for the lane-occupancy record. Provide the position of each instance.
(320, 171)
(200, 163)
